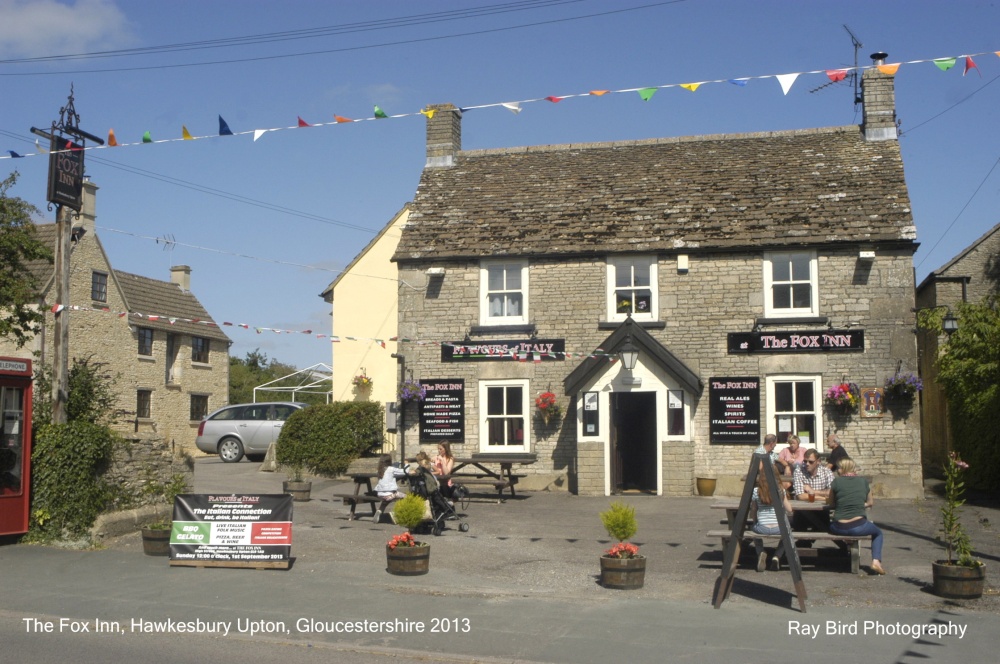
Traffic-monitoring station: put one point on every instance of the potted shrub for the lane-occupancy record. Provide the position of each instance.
(621, 566)
(961, 575)
(156, 538)
(404, 555)
(156, 535)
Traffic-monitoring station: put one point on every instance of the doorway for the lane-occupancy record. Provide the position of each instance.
(633, 442)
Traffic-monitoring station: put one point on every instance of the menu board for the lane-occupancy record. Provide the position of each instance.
(232, 530)
(734, 410)
(442, 411)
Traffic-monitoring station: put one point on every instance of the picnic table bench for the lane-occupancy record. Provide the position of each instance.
(367, 496)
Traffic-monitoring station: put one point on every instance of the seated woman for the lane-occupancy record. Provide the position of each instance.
(767, 519)
(792, 456)
(387, 489)
(850, 495)
(443, 464)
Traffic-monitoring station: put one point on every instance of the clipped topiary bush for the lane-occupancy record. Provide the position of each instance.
(620, 521)
(409, 511)
(327, 438)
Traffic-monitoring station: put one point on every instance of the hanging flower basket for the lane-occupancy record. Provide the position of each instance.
(843, 398)
(903, 386)
(548, 408)
(412, 390)
(362, 381)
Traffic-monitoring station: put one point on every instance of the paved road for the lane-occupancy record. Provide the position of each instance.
(519, 586)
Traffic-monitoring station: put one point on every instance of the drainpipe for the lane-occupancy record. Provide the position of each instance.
(401, 361)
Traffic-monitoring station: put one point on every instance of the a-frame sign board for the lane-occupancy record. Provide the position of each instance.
(731, 555)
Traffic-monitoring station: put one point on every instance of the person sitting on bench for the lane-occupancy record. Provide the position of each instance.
(387, 489)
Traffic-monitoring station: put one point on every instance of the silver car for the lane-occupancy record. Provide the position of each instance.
(244, 429)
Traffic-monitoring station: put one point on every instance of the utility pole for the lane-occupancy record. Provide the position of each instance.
(65, 191)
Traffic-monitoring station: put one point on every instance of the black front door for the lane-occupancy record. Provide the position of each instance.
(633, 441)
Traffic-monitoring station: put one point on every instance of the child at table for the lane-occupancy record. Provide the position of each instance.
(767, 518)
(387, 489)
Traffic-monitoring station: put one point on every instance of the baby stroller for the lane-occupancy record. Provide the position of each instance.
(424, 484)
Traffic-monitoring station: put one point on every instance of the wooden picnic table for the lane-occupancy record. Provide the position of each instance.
(363, 480)
(477, 471)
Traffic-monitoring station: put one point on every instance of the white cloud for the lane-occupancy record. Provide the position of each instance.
(32, 28)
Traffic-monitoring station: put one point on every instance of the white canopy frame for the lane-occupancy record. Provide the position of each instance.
(317, 379)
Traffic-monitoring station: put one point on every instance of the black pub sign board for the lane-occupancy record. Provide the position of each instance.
(442, 411)
(826, 341)
(65, 173)
(734, 410)
(529, 350)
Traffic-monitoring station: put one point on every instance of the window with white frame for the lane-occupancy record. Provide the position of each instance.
(791, 284)
(632, 288)
(504, 293)
(503, 408)
(794, 405)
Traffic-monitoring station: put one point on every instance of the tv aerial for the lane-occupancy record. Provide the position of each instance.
(852, 78)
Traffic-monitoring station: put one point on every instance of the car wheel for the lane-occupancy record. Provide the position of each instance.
(230, 450)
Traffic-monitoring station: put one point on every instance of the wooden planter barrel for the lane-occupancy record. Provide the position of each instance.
(623, 573)
(299, 491)
(156, 541)
(958, 581)
(408, 560)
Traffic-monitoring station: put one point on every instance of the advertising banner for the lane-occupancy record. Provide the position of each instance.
(734, 410)
(510, 350)
(232, 530)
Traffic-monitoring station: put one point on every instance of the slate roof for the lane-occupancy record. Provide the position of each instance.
(773, 189)
(163, 298)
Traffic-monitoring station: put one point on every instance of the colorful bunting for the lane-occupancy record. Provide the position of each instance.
(554, 100)
(224, 128)
(341, 118)
(41, 150)
(512, 106)
(303, 123)
(429, 112)
(112, 141)
(379, 113)
(146, 138)
(742, 82)
(258, 133)
(969, 64)
(15, 155)
(185, 134)
(888, 70)
(690, 86)
(601, 93)
(786, 81)
(647, 93)
(836, 75)
(944, 64)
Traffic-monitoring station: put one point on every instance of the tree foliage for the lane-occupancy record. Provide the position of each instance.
(255, 370)
(19, 245)
(969, 372)
(91, 396)
(326, 438)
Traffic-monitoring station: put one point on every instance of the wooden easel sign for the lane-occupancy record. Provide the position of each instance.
(731, 552)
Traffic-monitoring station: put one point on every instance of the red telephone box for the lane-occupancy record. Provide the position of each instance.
(15, 444)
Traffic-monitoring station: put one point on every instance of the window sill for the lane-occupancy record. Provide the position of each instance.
(644, 324)
(201, 365)
(792, 320)
(525, 328)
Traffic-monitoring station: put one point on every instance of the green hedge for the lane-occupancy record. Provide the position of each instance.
(67, 483)
(327, 438)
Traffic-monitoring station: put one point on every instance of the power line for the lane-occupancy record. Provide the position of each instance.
(348, 48)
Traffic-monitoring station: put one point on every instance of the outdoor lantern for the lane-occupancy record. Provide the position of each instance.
(628, 354)
(950, 324)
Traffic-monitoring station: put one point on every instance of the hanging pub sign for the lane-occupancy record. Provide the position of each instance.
(734, 410)
(828, 341)
(65, 173)
(232, 530)
(531, 350)
(442, 411)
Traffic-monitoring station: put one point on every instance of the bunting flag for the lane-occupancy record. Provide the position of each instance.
(258, 133)
(601, 93)
(341, 118)
(224, 128)
(554, 100)
(836, 75)
(690, 86)
(303, 123)
(429, 112)
(969, 64)
(512, 106)
(647, 93)
(146, 138)
(112, 141)
(15, 155)
(888, 70)
(379, 113)
(742, 82)
(185, 134)
(786, 81)
(944, 64)
(41, 150)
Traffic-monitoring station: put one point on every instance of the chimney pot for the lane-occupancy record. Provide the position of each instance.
(181, 275)
(879, 58)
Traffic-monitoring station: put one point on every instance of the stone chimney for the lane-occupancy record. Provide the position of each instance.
(444, 135)
(181, 275)
(878, 98)
(88, 210)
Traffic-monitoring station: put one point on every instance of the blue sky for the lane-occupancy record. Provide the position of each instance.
(265, 225)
